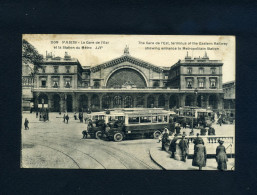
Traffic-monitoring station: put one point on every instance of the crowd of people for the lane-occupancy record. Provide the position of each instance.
(200, 154)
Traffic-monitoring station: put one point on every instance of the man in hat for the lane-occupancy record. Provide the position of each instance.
(177, 128)
(183, 145)
(173, 146)
(203, 131)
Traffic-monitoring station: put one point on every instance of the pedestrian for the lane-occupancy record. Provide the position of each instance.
(67, 118)
(75, 116)
(44, 117)
(199, 158)
(165, 138)
(37, 114)
(183, 145)
(64, 117)
(26, 124)
(173, 146)
(203, 131)
(221, 156)
(198, 140)
(177, 128)
(184, 123)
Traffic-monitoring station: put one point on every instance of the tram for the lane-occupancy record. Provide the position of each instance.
(130, 123)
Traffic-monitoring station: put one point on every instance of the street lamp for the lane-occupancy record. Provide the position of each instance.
(192, 109)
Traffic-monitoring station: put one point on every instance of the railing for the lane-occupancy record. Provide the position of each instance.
(208, 139)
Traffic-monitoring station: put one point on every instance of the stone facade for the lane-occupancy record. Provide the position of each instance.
(62, 84)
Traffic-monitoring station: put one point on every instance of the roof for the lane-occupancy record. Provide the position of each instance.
(127, 58)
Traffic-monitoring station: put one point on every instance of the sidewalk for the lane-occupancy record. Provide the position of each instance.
(162, 158)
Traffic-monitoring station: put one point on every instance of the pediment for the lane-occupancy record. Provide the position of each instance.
(126, 58)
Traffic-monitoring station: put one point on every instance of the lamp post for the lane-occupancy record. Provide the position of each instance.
(192, 109)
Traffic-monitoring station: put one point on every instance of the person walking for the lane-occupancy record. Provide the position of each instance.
(221, 156)
(26, 124)
(165, 138)
(37, 114)
(177, 128)
(173, 146)
(75, 116)
(85, 132)
(200, 155)
(64, 117)
(183, 145)
(67, 118)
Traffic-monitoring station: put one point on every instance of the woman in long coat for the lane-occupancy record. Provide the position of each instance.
(199, 159)
(221, 156)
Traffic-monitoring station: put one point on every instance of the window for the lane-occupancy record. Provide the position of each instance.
(133, 120)
(189, 70)
(43, 83)
(154, 119)
(67, 84)
(201, 70)
(165, 118)
(201, 83)
(213, 83)
(67, 69)
(56, 69)
(159, 119)
(43, 69)
(213, 70)
(165, 77)
(96, 84)
(156, 84)
(189, 84)
(145, 119)
(55, 85)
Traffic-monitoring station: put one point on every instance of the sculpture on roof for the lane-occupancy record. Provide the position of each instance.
(126, 50)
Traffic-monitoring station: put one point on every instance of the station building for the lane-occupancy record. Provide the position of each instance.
(62, 84)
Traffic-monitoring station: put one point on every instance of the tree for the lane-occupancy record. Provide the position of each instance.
(31, 57)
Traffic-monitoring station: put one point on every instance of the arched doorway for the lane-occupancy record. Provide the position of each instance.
(213, 103)
(189, 100)
(150, 101)
(117, 101)
(128, 102)
(56, 103)
(43, 99)
(199, 101)
(69, 103)
(161, 101)
(173, 101)
(95, 102)
(83, 102)
(106, 102)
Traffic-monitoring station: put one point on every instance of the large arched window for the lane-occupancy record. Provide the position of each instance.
(126, 77)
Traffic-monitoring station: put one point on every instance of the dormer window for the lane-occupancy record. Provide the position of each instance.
(56, 69)
(213, 70)
(201, 70)
(67, 69)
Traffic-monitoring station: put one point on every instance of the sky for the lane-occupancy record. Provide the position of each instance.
(165, 50)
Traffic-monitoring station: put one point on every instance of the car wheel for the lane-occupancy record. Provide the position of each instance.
(98, 135)
(118, 137)
(156, 134)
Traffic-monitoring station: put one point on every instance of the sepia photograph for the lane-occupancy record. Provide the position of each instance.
(136, 102)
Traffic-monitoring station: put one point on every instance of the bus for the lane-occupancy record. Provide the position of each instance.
(131, 123)
(194, 116)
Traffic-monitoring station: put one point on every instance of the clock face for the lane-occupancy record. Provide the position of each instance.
(126, 77)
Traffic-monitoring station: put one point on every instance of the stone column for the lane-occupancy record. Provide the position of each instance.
(134, 101)
(75, 102)
(156, 97)
(145, 100)
(89, 100)
(49, 97)
(220, 102)
(111, 97)
(100, 101)
(167, 99)
(207, 100)
(123, 101)
(63, 102)
(182, 98)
